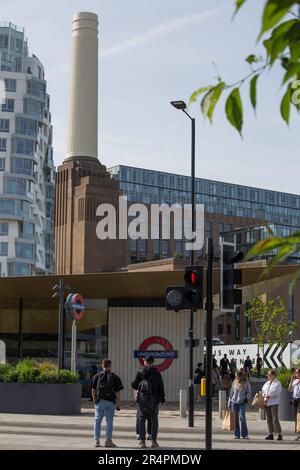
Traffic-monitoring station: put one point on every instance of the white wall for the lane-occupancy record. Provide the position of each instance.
(129, 326)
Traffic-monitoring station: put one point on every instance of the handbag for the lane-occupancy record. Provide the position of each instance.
(228, 423)
(258, 400)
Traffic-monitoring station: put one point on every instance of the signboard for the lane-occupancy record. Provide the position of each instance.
(167, 354)
(271, 355)
(2, 352)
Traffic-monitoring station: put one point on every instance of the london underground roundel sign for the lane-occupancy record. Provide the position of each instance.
(167, 353)
(75, 306)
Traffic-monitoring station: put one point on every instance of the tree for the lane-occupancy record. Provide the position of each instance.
(280, 36)
(271, 321)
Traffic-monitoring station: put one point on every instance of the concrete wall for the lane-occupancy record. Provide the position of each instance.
(128, 327)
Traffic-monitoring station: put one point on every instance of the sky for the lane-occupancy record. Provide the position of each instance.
(155, 51)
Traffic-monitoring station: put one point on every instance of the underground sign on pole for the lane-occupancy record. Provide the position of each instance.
(75, 310)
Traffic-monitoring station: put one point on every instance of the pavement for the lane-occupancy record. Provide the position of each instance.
(20, 432)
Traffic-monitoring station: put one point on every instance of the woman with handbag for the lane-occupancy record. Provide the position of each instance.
(271, 392)
(239, 395)
(294, 386)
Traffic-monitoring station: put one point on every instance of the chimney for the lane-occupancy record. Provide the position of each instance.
(83, 104)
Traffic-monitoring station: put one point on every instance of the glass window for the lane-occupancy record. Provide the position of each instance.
(18, 269)
(178, 246)
(7, 206)
(24, 250)
(3, 228)
(4, 41)
(26, 230)
(143, 246)
(33, 107)
(9, 105)
(133, 246)
(3, 248)
(36, 88)
(22, 166)
(3, 145)
(26, 126)
(220, 228)
(16, 185)
(156, 247)
(2, 164)
(10, 84)
(165, 248)
(4, 125)
(23, 146)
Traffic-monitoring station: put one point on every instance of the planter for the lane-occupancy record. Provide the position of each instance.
(286, 410)
(48, 399)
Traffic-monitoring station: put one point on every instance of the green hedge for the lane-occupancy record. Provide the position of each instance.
(30, 371)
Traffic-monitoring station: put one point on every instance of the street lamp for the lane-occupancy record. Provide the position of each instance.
(179, 104)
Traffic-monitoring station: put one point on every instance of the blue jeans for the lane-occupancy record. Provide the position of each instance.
(104, 408)
(240, 417)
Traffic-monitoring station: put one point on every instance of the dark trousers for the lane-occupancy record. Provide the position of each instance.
(137, 426)
(296, 410)
(272, 419)
(153, 417)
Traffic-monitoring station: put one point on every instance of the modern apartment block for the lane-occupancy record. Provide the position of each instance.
(227, 206)
(27, 173)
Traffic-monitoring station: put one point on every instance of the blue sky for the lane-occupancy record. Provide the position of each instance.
(153, 51)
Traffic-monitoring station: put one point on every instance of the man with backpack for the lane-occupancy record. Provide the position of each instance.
(106, 387)
(149, 392)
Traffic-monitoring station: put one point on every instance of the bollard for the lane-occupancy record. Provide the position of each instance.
(182, 403)
(222, 403)
(261, 413)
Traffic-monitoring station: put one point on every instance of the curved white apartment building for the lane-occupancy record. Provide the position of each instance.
(27, 172)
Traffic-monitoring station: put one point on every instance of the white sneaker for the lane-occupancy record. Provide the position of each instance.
(96, 443)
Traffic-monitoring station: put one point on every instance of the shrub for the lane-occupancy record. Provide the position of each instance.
(284, 378)
(30, 371)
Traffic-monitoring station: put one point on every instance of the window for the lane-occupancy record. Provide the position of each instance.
(7, 206)
(3, 228)
(4, 125)
(133, 246)
(165, 248)
(2, 164)
(48, 241)
(9, 105)
(220, 228)
(10, 84)
(156, 247)
(143, 246)
(33, 108)
(24, 250)
(220, 329)
(19, 45)
(228, 329)
(4, 41)
(178, 246)
(36, 88)
(26, 126)
(16, 185)
(3, 248)
(2, 145)
(19, 269)
(23, 146)
(22, 166)
(26, 230)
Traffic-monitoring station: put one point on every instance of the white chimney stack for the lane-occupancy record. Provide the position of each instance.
(83, 105)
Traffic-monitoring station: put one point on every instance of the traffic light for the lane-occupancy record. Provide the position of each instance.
(230, 277)
(191, 295)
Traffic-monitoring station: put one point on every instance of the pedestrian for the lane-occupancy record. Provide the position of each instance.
(294, 386)
(232, 367)
(259, 363)
(215, 379)
(226, 383)
(239, 395)
(271, 392)
(248, 367)
(106, 387)
(215, 362)
(137, 425)
(224, 364)
(198, 374)
(149, 392)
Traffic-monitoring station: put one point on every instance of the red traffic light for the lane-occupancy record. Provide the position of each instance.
(193, 277)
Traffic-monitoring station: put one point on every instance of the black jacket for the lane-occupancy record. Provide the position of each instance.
(155, 378)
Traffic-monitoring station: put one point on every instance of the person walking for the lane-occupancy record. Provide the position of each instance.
(149, 393)
(259, 363)
(271, 392)
(232, 367)
(239, 395)
(106, 387)
(294, 386)
(224, 364)
(198, 374)
(248, 367)
(226, 383)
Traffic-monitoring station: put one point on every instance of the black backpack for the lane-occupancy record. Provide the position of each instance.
(105, 387)
(145, 398)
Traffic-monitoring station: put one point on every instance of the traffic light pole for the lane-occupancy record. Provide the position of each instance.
(61, 326)
(191, 327)
(209, 334)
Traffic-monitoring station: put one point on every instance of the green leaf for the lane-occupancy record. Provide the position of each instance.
(253, 83)
(238, 5)
(234, 109)
(251, 58)
(273, 12)
(280, 39)
(292, 70)
(210, 100)
(285, 106)
(194, 96)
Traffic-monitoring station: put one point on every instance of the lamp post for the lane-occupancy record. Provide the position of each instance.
(182, 107)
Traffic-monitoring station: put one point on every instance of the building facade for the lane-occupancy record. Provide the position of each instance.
(27, 173)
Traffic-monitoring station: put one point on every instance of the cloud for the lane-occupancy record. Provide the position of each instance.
(162, 30)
